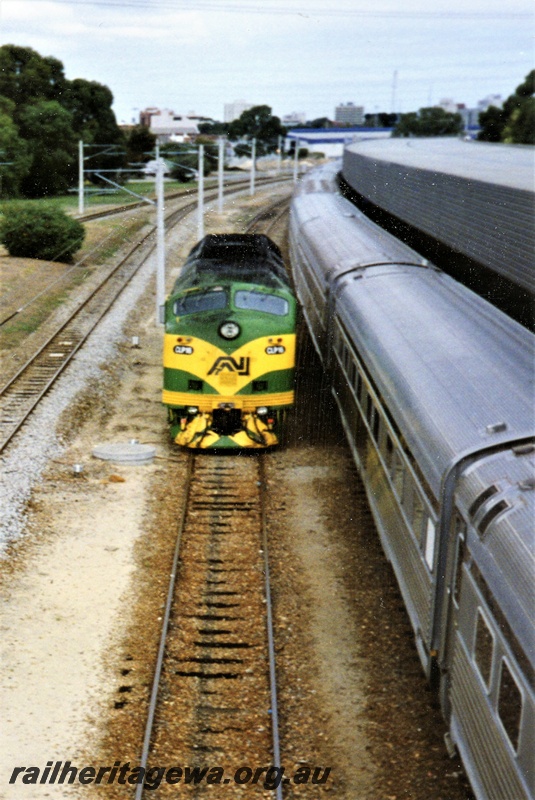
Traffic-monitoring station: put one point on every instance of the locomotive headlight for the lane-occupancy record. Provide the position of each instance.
(261, 411)
(192, 410)
(229, 330)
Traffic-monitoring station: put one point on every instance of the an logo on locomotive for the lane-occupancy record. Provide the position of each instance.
(228, 363)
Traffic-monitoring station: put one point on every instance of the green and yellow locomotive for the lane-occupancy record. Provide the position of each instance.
(229, 349)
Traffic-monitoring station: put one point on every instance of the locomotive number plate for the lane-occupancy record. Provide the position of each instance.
(275, 350)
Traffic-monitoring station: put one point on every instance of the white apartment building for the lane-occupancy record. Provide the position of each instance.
(232, 111)
(349, 114)
(168, 126)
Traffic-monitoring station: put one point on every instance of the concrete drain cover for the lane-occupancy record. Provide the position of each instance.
(125, 453)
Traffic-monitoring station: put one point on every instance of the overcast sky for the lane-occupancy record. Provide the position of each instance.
(293, 55)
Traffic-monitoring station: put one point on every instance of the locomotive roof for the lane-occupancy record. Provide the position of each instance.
(226, 246)
(232, 256)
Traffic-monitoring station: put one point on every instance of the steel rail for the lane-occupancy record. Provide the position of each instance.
(122, 209)
(269, 627)
(263, 218)
(165, 628)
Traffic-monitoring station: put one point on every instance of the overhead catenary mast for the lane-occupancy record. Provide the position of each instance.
(394, 91)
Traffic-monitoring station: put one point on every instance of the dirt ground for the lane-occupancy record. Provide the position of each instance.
(82, 592)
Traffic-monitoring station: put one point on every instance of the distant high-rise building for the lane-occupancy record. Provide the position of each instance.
(234, 110)
(294, 119)
(449, 105)
(349, 114)
(491, 100)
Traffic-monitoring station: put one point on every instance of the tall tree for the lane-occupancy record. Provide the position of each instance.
(15, 159)
(258, 123)
(83, 110)
(432, 121)
(52, 143)
(515, 121)
(90, 104)
(26, 76)
(140, 144)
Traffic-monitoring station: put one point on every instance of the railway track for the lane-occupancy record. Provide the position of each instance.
(22, 393)
(213, 701)
(269, 218)
(233, 186)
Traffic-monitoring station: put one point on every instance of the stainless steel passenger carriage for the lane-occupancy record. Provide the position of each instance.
(435, 392)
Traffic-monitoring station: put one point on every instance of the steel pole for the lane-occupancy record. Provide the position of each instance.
(220, 169)
(80, 177)
(160, 244)
(200, 207)
(253, 160)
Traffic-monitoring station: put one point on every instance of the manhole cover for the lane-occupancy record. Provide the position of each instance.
(125, 453)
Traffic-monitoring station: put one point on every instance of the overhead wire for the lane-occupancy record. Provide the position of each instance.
(299, 10)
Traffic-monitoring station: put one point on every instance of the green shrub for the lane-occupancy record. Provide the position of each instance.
(40, 230)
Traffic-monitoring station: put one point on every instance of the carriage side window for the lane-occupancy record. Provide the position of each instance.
(408, 494)
(418, 514)
(398, 469)
(345, 356)
(430, 542)
(369, 408)
(460, 535)
(510, 705)
(376, 425)
(351, 373)
(389, 450)
(483, 648)
(359, 385)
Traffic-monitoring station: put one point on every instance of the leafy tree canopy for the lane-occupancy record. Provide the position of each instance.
(50, 115)
(432, 121)
(321, 122)
(140, 145)
(25, 76)
(52, 143)
(214, 128)
(258, 123)
(14, 155)
(515, 122)
(183, 159)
